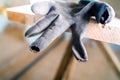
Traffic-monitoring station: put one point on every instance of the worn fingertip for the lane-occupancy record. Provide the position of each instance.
(79, 57)
(41, 7)
(83, 60)
(34, 49)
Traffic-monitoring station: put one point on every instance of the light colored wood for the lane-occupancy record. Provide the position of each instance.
(15, 57)
(68, 70)
(65, 63)
(109, 33)
(8, 50)
(111, 55)
(98, 66)
(16, 17)
(47, 67)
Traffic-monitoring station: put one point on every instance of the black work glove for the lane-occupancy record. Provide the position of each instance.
(61, 15)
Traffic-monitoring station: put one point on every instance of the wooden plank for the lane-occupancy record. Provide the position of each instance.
(14, 60)
(16, 17)
(65, 63)
(8, 50)
(109, 33)
(98, 66)
(110, 55)
(47, 67)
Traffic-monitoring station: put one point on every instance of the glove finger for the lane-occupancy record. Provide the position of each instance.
(82, 19)
(51, 34)
(103, 12)
(41, 25)
(77, 35)
(100, 8)
(109, 14)
(79, 50)
(42, 8)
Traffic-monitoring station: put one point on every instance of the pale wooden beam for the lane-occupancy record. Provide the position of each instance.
(110, 54)
(110, 33)
(65, 64)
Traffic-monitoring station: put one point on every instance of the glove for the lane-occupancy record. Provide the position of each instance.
(56, 20)
(103, 13)
(61, 15)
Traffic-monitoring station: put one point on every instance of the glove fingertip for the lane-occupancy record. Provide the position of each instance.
(35, 49)
(80, 56)
(41, 8)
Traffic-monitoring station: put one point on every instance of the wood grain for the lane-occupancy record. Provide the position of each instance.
(108, 33)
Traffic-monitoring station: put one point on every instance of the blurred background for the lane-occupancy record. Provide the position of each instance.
(18, 63)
